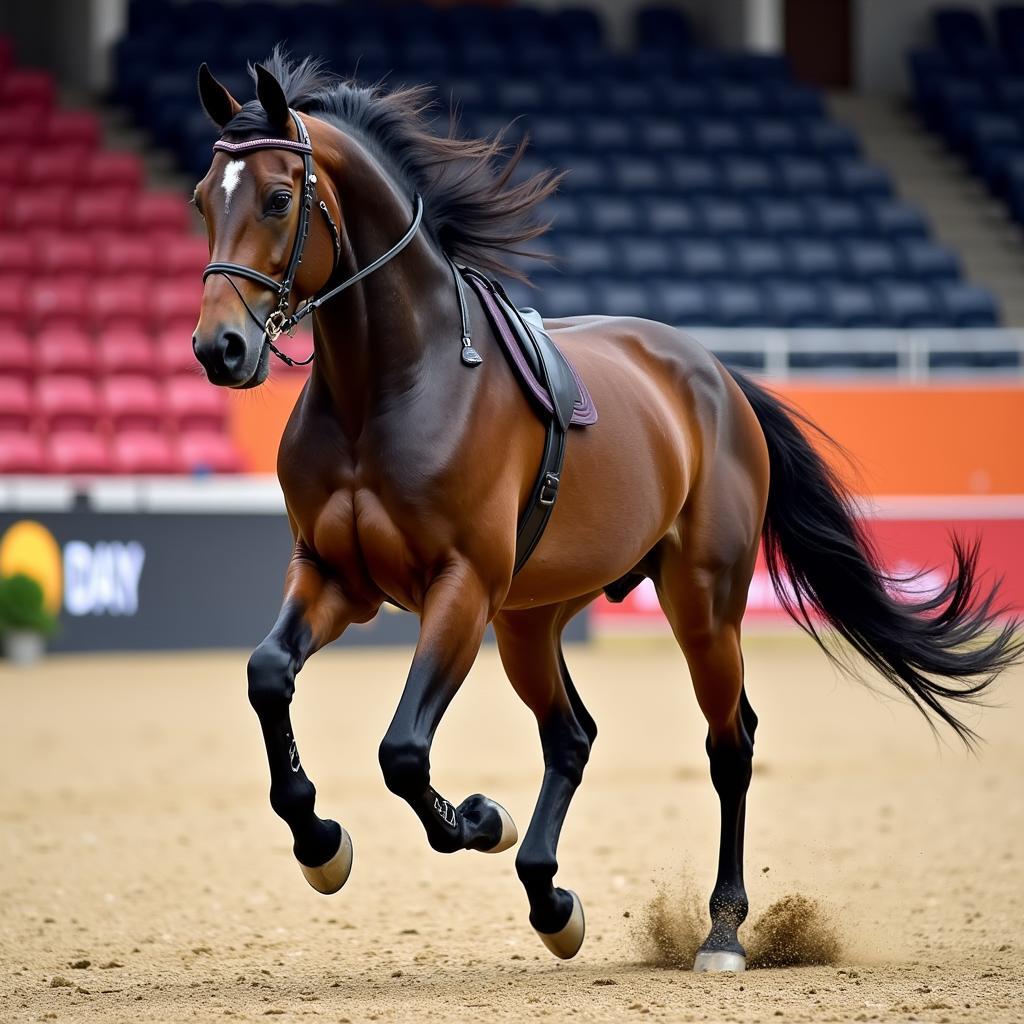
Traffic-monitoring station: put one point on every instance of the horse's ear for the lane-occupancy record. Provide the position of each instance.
(216, 100)
(272, 97)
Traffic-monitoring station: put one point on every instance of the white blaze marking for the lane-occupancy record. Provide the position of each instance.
(229, 182)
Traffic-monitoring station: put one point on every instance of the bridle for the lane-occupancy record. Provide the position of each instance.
(280, 320)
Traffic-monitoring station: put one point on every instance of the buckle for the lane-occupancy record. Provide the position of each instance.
(548, 490)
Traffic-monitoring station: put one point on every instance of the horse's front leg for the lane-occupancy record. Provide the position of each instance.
(314, 613)
(453, 619)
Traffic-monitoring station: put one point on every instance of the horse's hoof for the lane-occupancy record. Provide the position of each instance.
(718, 960)
(330, 877)
(565, 944)
(509, 832)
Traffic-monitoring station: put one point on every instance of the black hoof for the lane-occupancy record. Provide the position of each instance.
(486, 825)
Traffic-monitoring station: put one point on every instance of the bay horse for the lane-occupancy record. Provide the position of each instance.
(406, 467)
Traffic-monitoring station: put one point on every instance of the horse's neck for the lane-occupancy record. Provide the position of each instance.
(374, 342)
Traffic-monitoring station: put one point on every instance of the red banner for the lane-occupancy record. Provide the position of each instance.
(911, 535)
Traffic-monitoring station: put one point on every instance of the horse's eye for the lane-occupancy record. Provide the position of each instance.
(280, 201)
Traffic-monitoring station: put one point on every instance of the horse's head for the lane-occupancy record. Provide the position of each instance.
(251, 200)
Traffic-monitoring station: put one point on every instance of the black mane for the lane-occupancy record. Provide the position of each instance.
(471, 206)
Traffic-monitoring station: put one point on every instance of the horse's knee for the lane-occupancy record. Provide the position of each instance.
(406, 766)
(271, 677)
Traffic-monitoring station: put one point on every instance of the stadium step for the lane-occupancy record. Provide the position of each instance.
(963, 214)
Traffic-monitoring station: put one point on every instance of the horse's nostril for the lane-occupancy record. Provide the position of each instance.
(234, 349)
(195, 345)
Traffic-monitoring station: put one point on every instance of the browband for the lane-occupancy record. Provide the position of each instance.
(244, 147)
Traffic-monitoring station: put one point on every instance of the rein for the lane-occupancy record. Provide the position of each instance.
(280, 320)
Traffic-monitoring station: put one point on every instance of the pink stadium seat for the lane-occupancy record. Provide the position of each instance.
(195, 403)
(17, 354)
(14, 302)
(25, 87)
(78, 451)
(17, 254)
(65, 348)
(19, 127)
(66, 401)
(16, 405)
(205, 451)
(161, 211)
(185, 256)
(41, 207)
(106, 209)
(73, 126)
(127, 349)
(65, 254)
(132, 403)
(57, 164)
(13, 160)
(21, 452)
(174, 349)
(106, 169)
(139, 451)
(58, 299)
(126, 254)
(121, 302)
(177, 300)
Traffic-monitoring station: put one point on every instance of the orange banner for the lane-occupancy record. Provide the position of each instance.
(949, 438)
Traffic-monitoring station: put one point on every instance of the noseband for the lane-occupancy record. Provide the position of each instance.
(280, 320)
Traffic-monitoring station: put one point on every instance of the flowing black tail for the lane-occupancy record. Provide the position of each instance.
(941, 647)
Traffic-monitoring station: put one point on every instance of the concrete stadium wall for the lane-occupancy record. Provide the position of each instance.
(884, 31)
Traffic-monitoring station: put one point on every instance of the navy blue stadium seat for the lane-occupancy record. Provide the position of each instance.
(667, 216)
(716, 136)
(702, 259)
(892, 218)
(962, 36)
(693, 175)
(794, 304)
(643, 256)
(829, 138)
(928, 261)
(835, 218)
(779, 218)
(662, 135)
(564, 298)
(758, 258)
(910, 304)
(774, 136)
(603, 134)
(749, 176)
(682, 302)
(666, 27)
(617, 297)
(587, 255)
(735, 304)
(869, 259)
(636, 175)
(804, 175)
(814, 258)
(859, 178)
(966, 305)
(615, 214)
(851, 305)
(722, 218)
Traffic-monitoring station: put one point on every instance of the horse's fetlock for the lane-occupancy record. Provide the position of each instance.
(405, 764)
(293, 798)
(535, 869)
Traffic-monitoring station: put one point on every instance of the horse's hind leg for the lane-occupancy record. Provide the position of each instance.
(531, 651)
(315, 612)
(704, 606)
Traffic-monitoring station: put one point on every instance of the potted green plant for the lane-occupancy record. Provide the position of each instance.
(25, 621)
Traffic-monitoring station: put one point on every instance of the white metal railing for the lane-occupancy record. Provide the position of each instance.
(903, 355)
